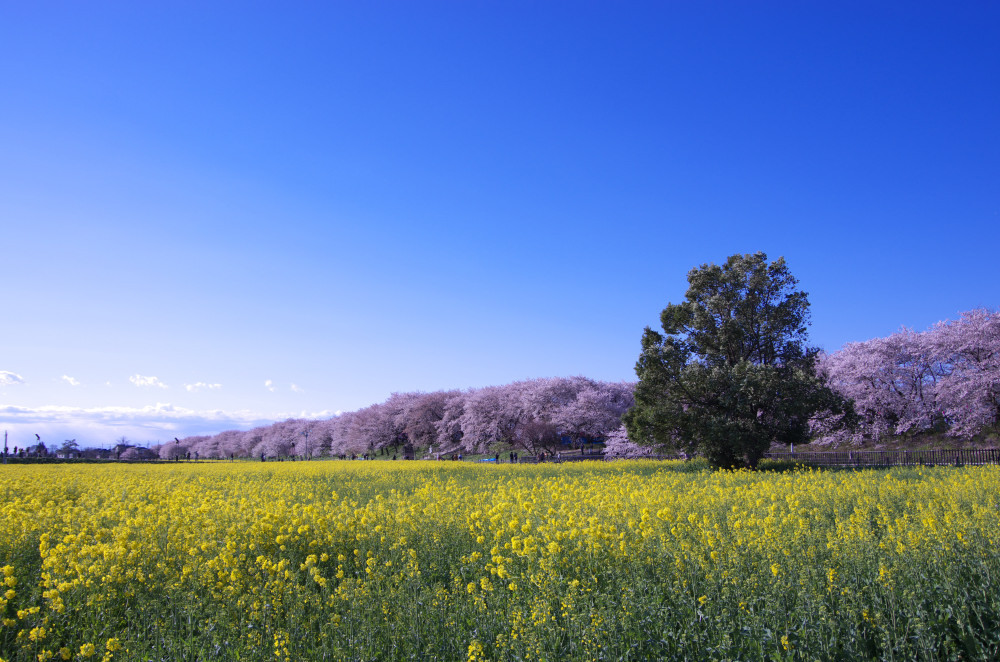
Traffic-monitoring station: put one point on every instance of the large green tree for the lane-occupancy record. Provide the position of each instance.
(731, 373)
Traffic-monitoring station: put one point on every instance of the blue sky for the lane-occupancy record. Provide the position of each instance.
(281, 209)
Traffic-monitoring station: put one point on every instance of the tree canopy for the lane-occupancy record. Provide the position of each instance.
(534, 415)
(731, 373)
(946, 378)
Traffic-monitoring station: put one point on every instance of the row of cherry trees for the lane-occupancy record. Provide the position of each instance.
(538, 415)
(946, 379)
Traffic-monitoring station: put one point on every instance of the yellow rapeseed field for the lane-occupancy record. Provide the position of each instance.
(334, 560)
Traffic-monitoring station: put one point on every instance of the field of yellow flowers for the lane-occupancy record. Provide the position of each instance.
(393, 561)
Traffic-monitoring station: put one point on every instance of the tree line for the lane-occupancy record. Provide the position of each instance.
(535, 415)
(730, 375)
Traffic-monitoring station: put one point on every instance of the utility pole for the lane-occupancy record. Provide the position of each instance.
(5, 447)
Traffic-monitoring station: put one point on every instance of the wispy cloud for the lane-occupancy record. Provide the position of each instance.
(70, 380)
(141, 381)
(194, 388)
(296, 388)
(10, 378)
(269, 385)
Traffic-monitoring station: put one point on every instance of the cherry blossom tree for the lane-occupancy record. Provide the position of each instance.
(969, 351)
(946, 378)
(539, 414)
(595, 411)
(449, 429)
(315, 439)
(340, 429)
(231, 443)
(369, 429)
(421, 416)
(173, 451)
(543, 401)
(617, 446)
(891, 382)
(491, 416)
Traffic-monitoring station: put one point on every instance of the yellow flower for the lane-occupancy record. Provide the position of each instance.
(87, 650)
(475, 651)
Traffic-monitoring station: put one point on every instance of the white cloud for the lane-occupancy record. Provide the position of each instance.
(296, 388)
(10, 378)
(194, 388)
(141, 380)
(100, 426)
(269, 385)
(71, 381)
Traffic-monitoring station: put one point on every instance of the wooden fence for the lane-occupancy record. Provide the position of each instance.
(847, 458)
(852, 458)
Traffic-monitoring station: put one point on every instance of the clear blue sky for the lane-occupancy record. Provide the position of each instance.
(365, 197)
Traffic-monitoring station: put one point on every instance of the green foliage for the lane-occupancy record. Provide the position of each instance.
(731, 373)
